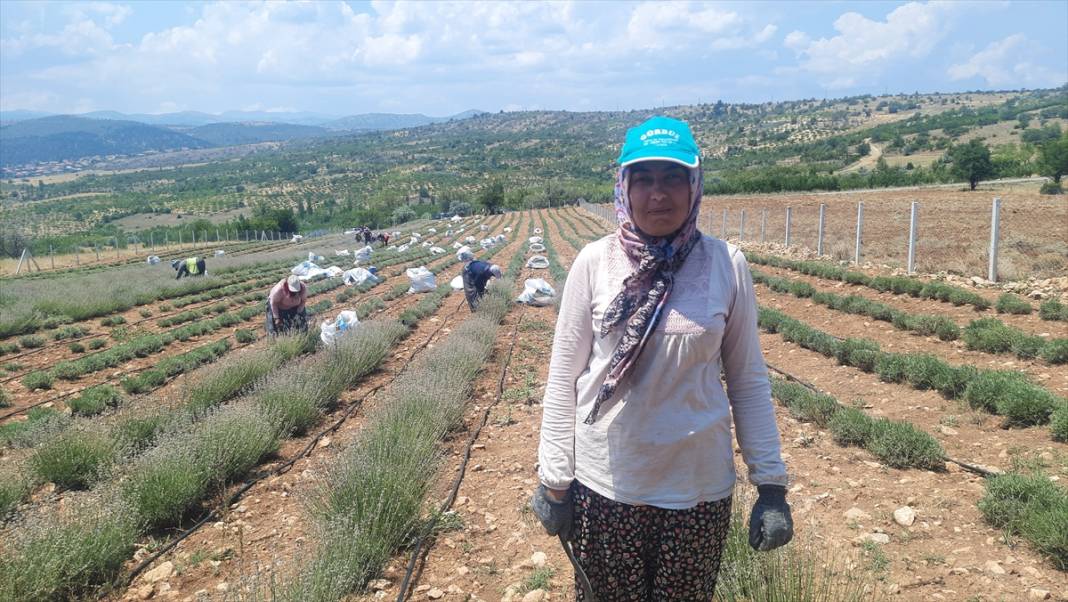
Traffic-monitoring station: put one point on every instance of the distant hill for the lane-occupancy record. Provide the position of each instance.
(231, 134)
(391, 121)
(64, 137)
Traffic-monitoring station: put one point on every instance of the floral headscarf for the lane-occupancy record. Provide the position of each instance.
(639, 306)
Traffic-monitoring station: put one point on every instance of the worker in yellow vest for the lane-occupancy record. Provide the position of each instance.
(192, 266)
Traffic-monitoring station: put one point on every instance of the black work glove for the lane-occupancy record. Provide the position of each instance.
(770, 524)
(554, 516)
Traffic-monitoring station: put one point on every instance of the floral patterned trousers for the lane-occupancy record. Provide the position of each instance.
(648, 554)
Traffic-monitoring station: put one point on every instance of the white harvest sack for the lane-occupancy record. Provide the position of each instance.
(437, 251)
(537, 292)
(422, 280)
(357, 276)
(534, 239)
(219, 252)
(329, 332)
(537, 230)
(363, 254)
(538, 262)
(457, 283)
(537, 248)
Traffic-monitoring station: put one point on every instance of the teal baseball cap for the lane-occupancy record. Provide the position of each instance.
(660, 138)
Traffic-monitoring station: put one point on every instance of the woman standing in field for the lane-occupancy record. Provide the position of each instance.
(636, 460)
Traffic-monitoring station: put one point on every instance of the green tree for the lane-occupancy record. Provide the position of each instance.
(1053, 158)
(492, 197)
(402, 214)
(971, 162)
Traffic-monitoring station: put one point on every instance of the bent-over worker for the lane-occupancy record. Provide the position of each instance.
(191, 266)
(285, 306)
(475, 276)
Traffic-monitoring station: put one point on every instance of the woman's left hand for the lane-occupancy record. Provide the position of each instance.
(770, 524)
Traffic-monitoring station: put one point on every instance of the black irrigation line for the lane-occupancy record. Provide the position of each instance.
(412, 574)
(285, 466)
(965, 465)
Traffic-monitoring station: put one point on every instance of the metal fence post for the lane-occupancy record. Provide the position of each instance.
(789, 215)
(763, 226)
(179, 240)
(151, 239)
(912, 237)
(741, 226)
(995, 233)
(96, 247)
(819, 234)
(116, 247)
(52, 254)
(723, 228)
(860, 228)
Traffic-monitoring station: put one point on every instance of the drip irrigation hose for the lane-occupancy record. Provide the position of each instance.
(417, 551)
(965, 465)
(285, 466)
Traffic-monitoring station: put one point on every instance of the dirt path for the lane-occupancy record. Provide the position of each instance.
(868, 161)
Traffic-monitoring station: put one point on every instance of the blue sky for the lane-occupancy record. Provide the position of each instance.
(440, 58)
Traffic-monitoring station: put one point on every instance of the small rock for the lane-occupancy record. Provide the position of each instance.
(857, 514)
(145, 592)
(223, 587)
(435, 594)
(905, 516)
(422, 588)
(993, 567)
(534, 596)
(379, 584)
(161, 572)
(879, 538)
(538, 559)
(945, 430)
(893, 588)
(325, 442)
(476, 468)
(201, 594)
(1038, 594)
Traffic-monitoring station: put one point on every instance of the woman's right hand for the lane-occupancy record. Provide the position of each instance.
(554, 509)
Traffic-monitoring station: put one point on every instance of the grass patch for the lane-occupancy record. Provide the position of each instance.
(1009, 303)
(1053, 310)
(72, 460)
(902, 445)
(95, 400)
(95, 344)
(39, 379)
(539, 578)
(31, 341)
(76, 348)
(1058, 423)
(1032, 507)
(244, 336)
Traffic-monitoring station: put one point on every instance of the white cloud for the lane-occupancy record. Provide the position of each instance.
(864, 47)
(1007, 64)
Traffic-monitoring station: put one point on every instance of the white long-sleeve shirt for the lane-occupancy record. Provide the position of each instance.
(664, 438)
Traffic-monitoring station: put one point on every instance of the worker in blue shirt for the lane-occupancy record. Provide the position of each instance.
(475, 276)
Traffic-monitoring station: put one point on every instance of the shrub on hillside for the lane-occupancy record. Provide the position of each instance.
(95, 400)
(1009, 303)
(1059, 423)
(902, 445)
(72, 460)
(850, 426)
(1056, 351)
(1053, 310)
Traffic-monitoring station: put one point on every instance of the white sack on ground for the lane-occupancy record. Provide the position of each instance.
(219, 252)
(483, 227)
(470, 240)
(314, 257)
(357, 276)
(488, 243)
(538, 262)
(334, 271)
(363, 254)
(153, 259)
(457, 245)
(296, 238)
(537, 292)
(534, 239)
(437, 251)
(423, 280)
(303, 268)
(402, 248)
(345, 322)
(500, 238)
(431, 230)
(456, 218)
(457, 283)
(536, 248)
(508, 230)
(341, 253)
(537, 230)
